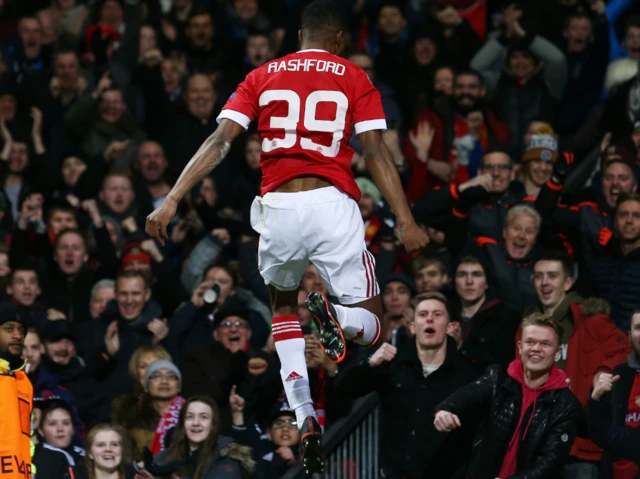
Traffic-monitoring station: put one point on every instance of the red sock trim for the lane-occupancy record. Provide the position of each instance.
(376, 338)
(286, 327)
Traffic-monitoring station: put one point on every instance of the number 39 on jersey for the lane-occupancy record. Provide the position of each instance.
(306, 116)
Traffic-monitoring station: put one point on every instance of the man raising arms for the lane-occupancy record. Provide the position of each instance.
(306, 104)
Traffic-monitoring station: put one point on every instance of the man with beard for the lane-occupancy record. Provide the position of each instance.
(62, 360)
(150, 183)
(442, 140)
(16, 392)
(616, 275)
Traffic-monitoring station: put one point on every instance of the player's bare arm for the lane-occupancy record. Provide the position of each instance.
(385, 175)
(208, 156)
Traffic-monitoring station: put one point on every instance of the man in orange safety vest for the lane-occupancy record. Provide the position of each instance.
(16, 398)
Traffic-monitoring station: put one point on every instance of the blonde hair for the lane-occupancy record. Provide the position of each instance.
(523, 210)
(124, 446)
(156, 349)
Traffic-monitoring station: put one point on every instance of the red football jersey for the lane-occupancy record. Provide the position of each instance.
(306, 104)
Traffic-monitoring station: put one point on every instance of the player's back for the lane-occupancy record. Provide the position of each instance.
(308, 104)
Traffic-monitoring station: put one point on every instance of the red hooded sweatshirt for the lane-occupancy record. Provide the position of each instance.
(557, 380)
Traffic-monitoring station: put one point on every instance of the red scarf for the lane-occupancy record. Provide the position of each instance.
(168, 421)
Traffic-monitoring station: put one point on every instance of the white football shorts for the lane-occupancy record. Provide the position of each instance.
(323, 227)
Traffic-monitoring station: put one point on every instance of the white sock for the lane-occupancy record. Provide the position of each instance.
(358, 324)
(289, 342)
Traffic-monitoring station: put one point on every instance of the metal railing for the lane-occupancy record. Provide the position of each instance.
(351, 444)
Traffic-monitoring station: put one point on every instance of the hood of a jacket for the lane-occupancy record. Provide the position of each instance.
(557, 378)
(564, 308)
(237, 452)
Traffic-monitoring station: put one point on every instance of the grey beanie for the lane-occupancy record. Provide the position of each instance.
(162, 364)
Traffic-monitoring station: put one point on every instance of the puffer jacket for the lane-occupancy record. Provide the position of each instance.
(549, 435)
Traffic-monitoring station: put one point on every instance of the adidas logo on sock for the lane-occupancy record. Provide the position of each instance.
(294, 376)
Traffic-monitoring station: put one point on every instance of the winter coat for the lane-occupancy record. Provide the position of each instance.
(616, 278)
(543, 445)
(87, 392)
(113, 372)
(491, 333)
(595, 345)
(198, 377)
(607, 419)
(487, 213)
(50, 463)
(411, 447)
(230, 461)
(46, 385)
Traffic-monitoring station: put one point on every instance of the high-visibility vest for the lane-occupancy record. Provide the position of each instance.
(16, 400)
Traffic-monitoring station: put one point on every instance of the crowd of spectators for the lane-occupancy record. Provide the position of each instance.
(515, 127)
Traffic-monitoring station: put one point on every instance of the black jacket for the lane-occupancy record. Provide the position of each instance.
(51, 463)
(616, 278)
(498, 397)
(607, 420)
(113, 372)
(87, 392)
(487, 213)
(412, 448)
(489, 336)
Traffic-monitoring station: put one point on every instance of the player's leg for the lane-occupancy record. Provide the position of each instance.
(348, 269)
(282, 259)
(289, 342)
(358, 322)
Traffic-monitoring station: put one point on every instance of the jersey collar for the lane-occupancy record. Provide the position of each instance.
(313, 50)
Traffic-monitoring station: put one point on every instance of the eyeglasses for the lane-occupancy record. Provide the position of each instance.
(228, 324)
(280, 423)
(160, 376)
(500, 167)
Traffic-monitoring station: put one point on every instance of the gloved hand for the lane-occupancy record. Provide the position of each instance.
(563, 167)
